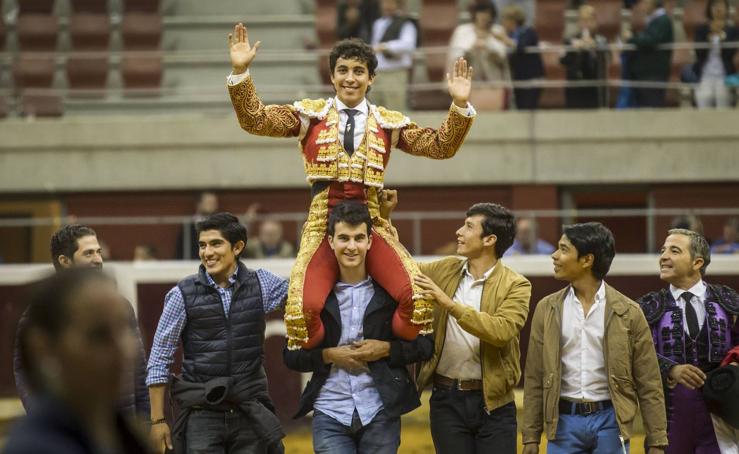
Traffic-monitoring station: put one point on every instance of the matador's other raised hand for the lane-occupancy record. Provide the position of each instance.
(242, 53)
(460, 82)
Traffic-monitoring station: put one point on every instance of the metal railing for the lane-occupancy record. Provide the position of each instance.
(418, 220)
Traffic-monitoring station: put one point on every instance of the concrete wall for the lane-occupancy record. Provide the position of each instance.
(210, 151)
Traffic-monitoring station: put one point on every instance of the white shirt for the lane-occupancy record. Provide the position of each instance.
(714, 66)
(697, 301)
(403, 47)
(460, 356)
(360, 120)
(584, 375)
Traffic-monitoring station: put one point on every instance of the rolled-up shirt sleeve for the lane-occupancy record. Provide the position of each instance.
(166, 339)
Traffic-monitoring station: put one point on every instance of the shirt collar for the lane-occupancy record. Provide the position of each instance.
(699, 290)
(231, 279)
(466, 271)
(361, 107)
(600, 295)
(343, 285)
(657, 13)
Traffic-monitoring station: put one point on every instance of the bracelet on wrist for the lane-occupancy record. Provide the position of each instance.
(158, 421)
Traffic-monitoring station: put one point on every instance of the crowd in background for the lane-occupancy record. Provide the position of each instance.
(499, 36)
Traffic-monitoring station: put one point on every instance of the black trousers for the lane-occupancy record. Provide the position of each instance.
(461, 425)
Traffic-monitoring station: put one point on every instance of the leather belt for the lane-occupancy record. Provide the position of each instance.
(568, 407)
(459, 385)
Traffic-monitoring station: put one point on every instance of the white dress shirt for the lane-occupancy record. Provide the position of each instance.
(460, 356)
(584, 375)
(403, 47)
(360, 120)
(697, 301)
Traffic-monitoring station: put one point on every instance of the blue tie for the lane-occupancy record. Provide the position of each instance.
(349, 131)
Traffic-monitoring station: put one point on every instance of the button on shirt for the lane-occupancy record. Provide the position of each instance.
(584, 374)
(174, 318)
(698, 302)
(460, 357)
(344, 391)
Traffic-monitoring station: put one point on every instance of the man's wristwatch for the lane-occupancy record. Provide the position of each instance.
(158, 421)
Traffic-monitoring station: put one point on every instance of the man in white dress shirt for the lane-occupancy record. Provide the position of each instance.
(591, 361)
(394, 38)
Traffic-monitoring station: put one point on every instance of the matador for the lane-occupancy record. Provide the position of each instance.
(345, 143)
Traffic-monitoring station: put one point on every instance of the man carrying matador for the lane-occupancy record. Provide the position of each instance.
(346, 142)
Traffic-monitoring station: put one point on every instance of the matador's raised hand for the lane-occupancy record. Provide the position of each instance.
(242, 53)
(460, 82)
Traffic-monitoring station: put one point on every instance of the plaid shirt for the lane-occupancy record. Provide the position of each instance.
(174, 318)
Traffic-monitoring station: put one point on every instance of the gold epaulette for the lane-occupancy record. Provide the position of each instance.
(313, 108)
(390, 119)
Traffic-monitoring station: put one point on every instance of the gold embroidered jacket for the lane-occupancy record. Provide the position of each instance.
(315, 123)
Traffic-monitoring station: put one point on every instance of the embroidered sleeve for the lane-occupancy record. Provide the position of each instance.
(436, 144)
(256, 118)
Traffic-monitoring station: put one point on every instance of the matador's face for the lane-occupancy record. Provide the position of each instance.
(351, 79)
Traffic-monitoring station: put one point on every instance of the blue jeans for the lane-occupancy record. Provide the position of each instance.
(380, 436)
(596, 433)
(221, 431)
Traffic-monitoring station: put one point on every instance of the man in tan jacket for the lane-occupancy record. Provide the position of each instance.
(591, 360)
(480, 307)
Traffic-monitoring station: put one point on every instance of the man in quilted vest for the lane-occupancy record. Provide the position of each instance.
(346, 143)
(218, 315)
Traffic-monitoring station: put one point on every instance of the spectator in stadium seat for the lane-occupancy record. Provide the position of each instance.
(207, 204)
(526, 66)
(728, 243)
(712, 65)
(144, 253)
(528, 7)
(360, 385)
(647, 63)
(76, 346)
(269, 243)
(689, 222)
(394, 39)
(77, 246)
(354, 19)
(476, 42)
(586, 62)
(527, 241)
(218, 315)
(591, 361)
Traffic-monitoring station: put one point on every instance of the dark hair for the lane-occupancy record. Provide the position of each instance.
(709, 5)
(48, 311)
(481, 6)
(349, 212)
(593, 238)
(499, 221)
(353, 48)
(64, 241)
(226, 223)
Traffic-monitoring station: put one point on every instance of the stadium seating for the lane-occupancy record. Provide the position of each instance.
(142, 64)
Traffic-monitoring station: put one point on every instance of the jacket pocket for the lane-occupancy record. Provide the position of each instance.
(623, 395)
(548, 406)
